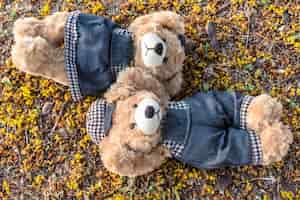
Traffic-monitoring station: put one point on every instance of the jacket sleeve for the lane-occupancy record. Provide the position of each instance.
(214, 148)
(220, 109)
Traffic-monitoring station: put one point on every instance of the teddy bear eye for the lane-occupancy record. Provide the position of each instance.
(163, 39)
(165, 59)
(132, 125)
(135, 106)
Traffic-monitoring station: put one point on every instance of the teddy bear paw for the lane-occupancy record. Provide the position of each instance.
(275, 140)
(27, 27)
(263, 110)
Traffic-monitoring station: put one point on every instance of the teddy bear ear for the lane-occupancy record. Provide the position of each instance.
(118, 92)
(166, 19)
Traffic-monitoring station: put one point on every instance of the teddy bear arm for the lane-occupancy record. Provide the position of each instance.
(54, 27)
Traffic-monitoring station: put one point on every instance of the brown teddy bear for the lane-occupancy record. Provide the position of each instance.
(137, 128)
(97, 49)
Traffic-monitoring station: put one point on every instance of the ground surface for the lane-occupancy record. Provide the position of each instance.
(45, 152)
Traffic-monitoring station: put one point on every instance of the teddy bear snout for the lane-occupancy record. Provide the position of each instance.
(147, 116)
(154, 49)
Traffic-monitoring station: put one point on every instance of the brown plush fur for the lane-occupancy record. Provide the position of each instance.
(135, 79)
(126, 151)
(36, 50)
(37, 57)
(275, 140)
(51, 28)
(264, 118)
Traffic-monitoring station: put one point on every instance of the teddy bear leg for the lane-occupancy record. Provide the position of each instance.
(55, 26)
(275, 141)
(51, 28)
(27, 27)
(39, 58)
(263, 109)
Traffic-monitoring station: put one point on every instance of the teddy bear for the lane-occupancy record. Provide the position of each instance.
(86, 52)
(137, 127)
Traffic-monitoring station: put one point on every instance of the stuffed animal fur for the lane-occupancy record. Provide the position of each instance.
(96, 49)
(137, 127)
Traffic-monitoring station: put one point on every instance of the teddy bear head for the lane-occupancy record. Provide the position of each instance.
(127, 123)
(159, 45)
(128, 132)
(132, 120)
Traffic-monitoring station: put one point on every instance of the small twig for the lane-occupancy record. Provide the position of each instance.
(271, 178)
(26, 137)
(58, 118)
(295, 77)
(131, 185)
(110, 194)
(223, 7)
(131, 182)
(248, 13)
(211, 30)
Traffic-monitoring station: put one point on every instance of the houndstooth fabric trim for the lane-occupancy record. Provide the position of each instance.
(95, 120)
(180, 105)
(175, 148)
(121, 31)
(115, 70)
(244, 111)
(256, 150)
(71, 37)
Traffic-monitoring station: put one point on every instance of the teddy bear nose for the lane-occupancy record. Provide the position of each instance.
(159, 48)
(149, 112)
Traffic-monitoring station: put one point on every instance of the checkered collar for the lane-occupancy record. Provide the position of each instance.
(99, 119)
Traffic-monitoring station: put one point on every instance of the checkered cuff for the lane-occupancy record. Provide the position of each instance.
(95, 120)
(256, 149)
(244, 111)
(175, 148)
(71, 37)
